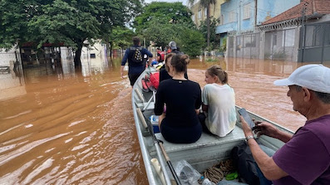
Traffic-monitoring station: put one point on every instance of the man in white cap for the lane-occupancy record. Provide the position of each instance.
(305, 156)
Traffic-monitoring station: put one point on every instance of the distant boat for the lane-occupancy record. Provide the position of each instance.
(206, 152)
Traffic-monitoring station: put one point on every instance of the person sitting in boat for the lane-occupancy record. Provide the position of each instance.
(218, 103)
(182, 98)
(160, 55)
(154, 62)
(305, 156)
(163, 75)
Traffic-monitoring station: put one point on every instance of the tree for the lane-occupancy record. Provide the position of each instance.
(163, 22)
(70, 22)
(206, 4)
(214, 39)
(163, 13)
(192, 42)
(120, 37)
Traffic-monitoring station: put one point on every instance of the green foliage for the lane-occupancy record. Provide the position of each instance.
(121, 37)
(62, 21)
(163, 13)
(192, 42)
(163, 22)
(211, 59)
(206, 4)
(214, 39)
(223, 46)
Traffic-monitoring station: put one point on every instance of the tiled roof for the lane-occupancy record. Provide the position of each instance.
(313, 7)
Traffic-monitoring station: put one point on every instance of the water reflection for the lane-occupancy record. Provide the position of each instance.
(12, 83)
(94, 62)
(76, 126)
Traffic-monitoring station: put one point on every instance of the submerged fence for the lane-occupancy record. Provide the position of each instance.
(307, 43)
(275, 45)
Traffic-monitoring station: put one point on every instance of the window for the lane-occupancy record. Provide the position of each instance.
(327, 35)
(314, 36)
(246, 11)
(274, 39)
(289, 37)
(232, 16)
(205, 12)
(199, 14)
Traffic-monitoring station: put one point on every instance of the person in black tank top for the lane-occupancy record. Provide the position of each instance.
(182, 98)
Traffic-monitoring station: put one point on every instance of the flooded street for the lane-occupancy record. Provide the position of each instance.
(58, 126)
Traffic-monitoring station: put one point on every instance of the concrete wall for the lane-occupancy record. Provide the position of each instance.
(215, 11)
(258, 12)
(11, 82)
(235, 16)
(7, 56)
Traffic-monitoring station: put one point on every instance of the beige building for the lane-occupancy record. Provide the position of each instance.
(200, 14)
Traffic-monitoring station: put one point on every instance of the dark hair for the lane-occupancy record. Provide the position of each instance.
(324, 97)
(136, 40)
(180, 62)
(217, 71)
(166, 60)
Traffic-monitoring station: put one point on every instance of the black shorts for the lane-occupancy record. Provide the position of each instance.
(133, 78)
(181, 134)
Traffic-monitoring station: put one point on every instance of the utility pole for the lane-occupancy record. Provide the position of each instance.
(303, 31)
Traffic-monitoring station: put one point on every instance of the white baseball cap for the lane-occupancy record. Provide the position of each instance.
(315, 77)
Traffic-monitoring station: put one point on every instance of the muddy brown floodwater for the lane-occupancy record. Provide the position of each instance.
(58, 126)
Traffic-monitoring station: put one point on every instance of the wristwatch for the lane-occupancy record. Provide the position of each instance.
(249, 137)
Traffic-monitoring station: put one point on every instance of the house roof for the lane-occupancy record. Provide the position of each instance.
(313, 8)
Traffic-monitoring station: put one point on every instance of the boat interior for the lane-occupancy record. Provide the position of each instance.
(206, 152)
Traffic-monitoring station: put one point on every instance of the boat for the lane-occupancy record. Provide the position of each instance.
(209, 150)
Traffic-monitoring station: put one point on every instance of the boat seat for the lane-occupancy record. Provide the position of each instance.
(205, 140)
(208, 145)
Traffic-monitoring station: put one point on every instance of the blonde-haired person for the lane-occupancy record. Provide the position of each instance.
(218, 102)
(182, 98)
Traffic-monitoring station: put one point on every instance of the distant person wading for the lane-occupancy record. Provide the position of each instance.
(136, 62)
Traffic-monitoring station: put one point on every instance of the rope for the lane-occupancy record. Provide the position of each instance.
(217, 172)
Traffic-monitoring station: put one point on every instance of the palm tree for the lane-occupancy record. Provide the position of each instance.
(206, 4)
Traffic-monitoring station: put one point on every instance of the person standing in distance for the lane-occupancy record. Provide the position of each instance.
(174, 48)
(305, 156)
(136, 65)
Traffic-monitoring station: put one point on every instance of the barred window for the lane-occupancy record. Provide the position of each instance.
(232, 16)
(289, 37)
(246, 11)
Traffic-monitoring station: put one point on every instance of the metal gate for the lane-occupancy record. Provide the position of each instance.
(244, 46)
(315, 43)
(280, 45)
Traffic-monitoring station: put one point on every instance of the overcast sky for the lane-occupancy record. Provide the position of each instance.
(184, 1)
